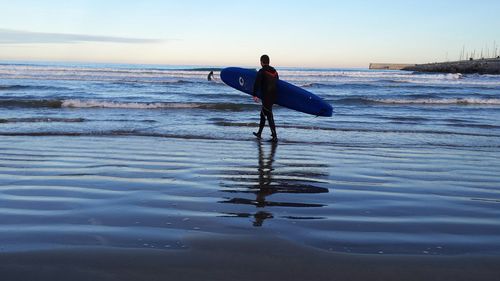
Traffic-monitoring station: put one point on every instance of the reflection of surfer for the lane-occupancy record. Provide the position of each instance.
(265, 181)
(265, 173)
(263, 185)
(210, 76)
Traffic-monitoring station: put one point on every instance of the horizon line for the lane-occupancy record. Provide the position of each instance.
(41, 61)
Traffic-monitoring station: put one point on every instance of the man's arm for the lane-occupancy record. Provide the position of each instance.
(256, 85)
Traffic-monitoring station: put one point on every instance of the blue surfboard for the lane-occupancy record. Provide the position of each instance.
(289, 96)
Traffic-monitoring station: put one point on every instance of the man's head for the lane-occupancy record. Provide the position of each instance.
(264, 60)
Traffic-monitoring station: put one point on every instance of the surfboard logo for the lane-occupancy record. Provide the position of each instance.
(241, 81)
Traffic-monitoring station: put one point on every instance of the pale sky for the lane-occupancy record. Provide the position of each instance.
(312, 33)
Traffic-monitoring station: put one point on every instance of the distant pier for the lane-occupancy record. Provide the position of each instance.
(390, 66)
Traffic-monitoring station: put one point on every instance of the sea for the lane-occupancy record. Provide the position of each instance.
(141, 156)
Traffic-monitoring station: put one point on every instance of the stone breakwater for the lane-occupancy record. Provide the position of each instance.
(480, 66)
(389, 66)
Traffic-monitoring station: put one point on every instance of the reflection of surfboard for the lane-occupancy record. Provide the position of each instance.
(289, 96)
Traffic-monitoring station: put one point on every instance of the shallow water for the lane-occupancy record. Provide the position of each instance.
(141, 156)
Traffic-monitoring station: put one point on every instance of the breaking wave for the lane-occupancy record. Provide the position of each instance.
(75, 103)
(420, 101)
(42, 120)
(154, 105)
(28, 87)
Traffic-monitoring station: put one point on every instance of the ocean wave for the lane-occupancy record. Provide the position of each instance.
(180, 81)
(144, 79)
(386, 83)
(166, 82)
(419, 101)
(42, 120)
(306, 77)
(145, 76)
(210, 137)
(12, 87)
(76, 103)
(123, 105)
(387, 79)
(359, 130)
(204, 69)
(154, 105)
(325, 85)
(30, 87)
(145, 82)
(31, 103)
(405, 118)
(112, 133)
(371, 74)
(83, 70)
(346, 85)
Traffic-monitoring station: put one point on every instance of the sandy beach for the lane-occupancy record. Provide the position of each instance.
(223, 257)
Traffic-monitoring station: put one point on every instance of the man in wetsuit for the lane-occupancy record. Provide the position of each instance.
(267, 83)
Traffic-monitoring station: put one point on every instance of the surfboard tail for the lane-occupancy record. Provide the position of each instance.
(326, 111)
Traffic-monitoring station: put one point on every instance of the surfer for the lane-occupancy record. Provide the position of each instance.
(210, 76)
(266, 82)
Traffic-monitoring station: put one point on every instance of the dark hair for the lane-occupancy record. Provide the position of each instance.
(264, 59)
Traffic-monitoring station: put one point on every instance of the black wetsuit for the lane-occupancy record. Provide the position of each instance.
(267, 83)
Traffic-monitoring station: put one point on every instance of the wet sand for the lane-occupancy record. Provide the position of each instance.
(139, 208)
(242, 258)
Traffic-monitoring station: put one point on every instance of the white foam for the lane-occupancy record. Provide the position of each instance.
(339, 76)
(431, 101)
(100, 74)
(125, 105)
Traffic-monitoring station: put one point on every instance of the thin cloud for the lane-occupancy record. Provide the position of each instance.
(9, 36)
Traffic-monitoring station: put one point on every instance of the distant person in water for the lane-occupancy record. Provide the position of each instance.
(266, 83)
(210, 76)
